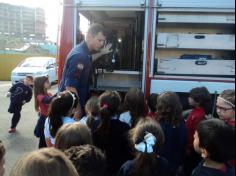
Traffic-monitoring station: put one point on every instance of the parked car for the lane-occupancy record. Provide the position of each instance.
(36, 67)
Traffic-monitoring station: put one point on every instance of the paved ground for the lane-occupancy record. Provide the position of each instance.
(23, 141)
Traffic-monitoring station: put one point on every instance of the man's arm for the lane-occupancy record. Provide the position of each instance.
(106, 50)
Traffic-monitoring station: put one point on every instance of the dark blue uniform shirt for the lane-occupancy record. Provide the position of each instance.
(77, 71)
(19, 93)
(206, 171)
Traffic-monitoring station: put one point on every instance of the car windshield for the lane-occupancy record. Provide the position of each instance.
(34, 63)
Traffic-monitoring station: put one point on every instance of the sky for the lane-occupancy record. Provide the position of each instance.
(52, 11)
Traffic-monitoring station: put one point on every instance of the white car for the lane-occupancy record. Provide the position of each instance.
(36, 67)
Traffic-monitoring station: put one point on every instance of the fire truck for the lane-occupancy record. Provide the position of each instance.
(158, 45)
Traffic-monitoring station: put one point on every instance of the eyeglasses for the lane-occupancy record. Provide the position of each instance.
(223, 109)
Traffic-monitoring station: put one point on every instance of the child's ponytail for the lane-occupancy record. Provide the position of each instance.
(92, 109)
(106, 119)
(109, 106)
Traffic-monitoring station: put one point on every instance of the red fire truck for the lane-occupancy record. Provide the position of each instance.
(158, 45)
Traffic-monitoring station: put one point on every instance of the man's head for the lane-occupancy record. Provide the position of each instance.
(96, 37)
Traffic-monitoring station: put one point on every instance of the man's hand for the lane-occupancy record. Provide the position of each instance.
(106, 49)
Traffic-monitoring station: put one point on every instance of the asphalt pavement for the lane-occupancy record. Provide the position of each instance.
(23, 141)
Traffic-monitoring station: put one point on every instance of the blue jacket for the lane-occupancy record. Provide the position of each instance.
(77, 71)
(175, 145)
(20, 93)
(162, 167)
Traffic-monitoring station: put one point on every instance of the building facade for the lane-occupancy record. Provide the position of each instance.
(20, 21)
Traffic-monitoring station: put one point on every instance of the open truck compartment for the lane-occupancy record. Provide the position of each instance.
(121, 69)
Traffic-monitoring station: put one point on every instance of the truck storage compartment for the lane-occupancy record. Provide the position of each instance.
(122, 68)
(195, 4)
(196, 18)
(197, 67)
(195, 44)
(196, 41)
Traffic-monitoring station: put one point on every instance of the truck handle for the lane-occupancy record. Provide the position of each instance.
(199, 37)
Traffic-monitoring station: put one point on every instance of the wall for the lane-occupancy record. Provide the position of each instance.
(7, 63)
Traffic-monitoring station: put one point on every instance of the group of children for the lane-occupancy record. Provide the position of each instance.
(129, 139)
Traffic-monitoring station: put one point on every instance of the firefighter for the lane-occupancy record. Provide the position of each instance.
(78, 66)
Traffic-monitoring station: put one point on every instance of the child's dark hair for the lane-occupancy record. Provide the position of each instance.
(146, 163)
(61, 107)
(2, 151)
(218, 139)
(70, 135)
(228, 95)
(39, 89)
(202, 97)
(135, 103)
(92, 106)
(109, 105)
(152, 102)
(30, 77)
(88, 160)
(169, 108)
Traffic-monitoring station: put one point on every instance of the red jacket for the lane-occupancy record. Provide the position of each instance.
(44, 101)
(195, 117)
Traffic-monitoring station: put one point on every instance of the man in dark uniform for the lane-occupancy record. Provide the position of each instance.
(78, 65)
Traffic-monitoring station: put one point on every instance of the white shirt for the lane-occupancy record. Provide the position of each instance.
(126, 118)
(84, 120)
(66, 120)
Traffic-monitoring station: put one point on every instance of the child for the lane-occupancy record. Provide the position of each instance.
(226, 107)
(88, 160)
(152, 104)
(44, 162)
(42, 100)
(60, 112)
(147, 138)
(135, 106)
(169, 114)
(2, 159)
(20, 94)
(111, 135)
(92, 119)
(200, 100)
(215, 142)
(71, 135)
